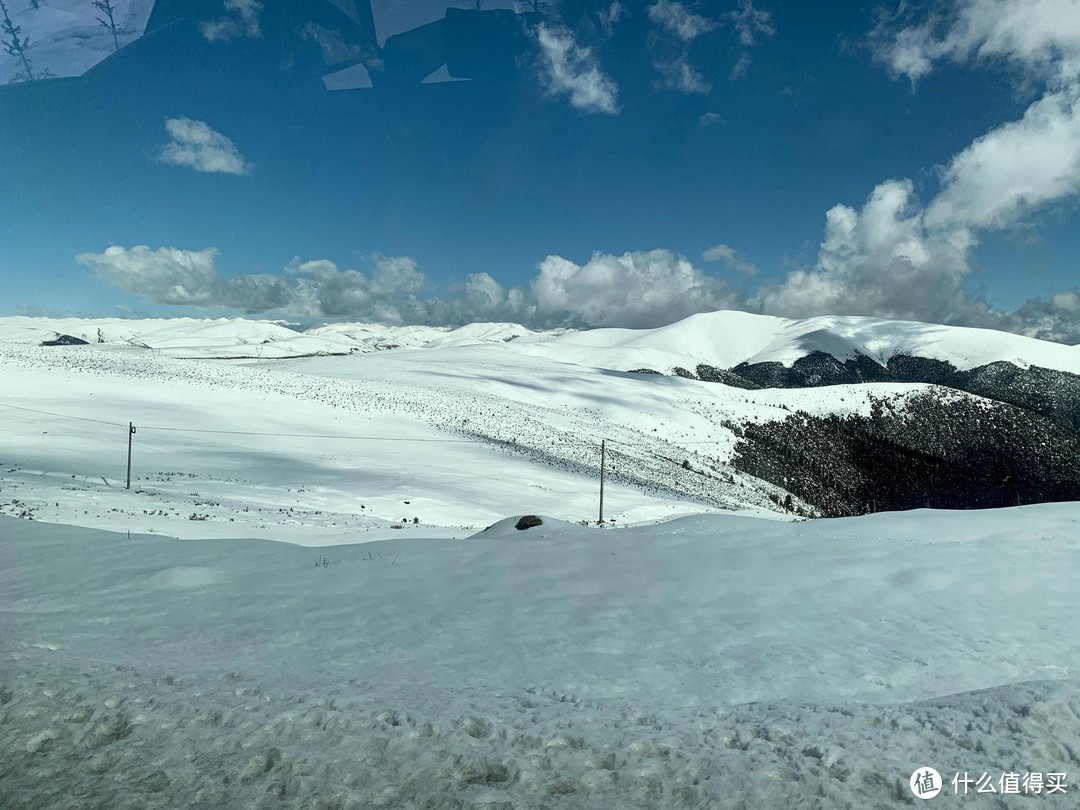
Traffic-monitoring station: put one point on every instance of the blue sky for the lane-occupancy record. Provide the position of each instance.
(626, 164)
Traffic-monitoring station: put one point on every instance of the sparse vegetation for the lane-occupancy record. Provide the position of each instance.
(935, 450)
(108, 20)
(17, 46)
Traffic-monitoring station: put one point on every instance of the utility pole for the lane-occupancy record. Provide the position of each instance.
(603, 455)
(131, 432)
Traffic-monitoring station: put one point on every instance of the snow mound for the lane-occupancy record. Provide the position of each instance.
(509, 528)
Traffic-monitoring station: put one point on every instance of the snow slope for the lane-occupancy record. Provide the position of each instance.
(710, 661)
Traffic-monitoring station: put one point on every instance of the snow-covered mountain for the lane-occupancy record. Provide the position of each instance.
(724, 339)
(902, 430)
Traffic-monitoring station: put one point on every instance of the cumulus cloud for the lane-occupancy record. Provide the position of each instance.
(885, 260)
(241, 20)
(1057, 319)
(196, 145)
(1014, 168)
(183, 277)
(710, 119)
(898, 257)
(881, 261)
(389, 295)
(730, 258)
(167, 275)
(571, 70)
(637, 289)
(678, 20)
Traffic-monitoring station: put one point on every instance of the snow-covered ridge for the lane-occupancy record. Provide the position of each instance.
(723, 339)
(257, 339)
(727, 338)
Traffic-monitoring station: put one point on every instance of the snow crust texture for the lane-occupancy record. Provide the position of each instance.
(123, 739)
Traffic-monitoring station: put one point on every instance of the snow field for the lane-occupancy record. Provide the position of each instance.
(532, 427)
(708, 662)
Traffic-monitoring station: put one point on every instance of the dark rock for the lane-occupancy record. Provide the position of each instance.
(65, 340)
(528, 521)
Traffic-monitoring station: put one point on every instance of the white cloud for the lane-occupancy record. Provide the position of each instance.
(388, 295)
(677, 19)
(183, 277)
(196, 145)
(751, 24)
(167, 275)
(1057, 319)
(879, 261)
(680, 75)
(1014, 168)
(1037, 35)
(608, 17)
(730, 258)
(572, 70)
(710, 119)
(639, 289)
(241, 20)
(674, 19)
(741, 66)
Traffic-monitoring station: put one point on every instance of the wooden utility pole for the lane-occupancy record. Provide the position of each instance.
(131, 432)
(603, 454)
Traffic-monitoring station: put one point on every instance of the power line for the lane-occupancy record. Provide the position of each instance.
(301, 435)
(237, 432)
(62, 415)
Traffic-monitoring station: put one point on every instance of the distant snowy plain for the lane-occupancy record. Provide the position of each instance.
(712, 659)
